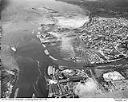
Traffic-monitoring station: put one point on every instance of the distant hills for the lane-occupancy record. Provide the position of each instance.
(105, 8)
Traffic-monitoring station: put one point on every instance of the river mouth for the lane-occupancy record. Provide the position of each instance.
(20, 20)
(26, 53)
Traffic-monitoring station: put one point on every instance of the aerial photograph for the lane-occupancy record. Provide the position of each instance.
(64, 49)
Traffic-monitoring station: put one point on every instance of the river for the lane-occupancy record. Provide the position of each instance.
(19, 20)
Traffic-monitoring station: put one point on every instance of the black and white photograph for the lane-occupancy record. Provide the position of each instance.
(64, 49)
